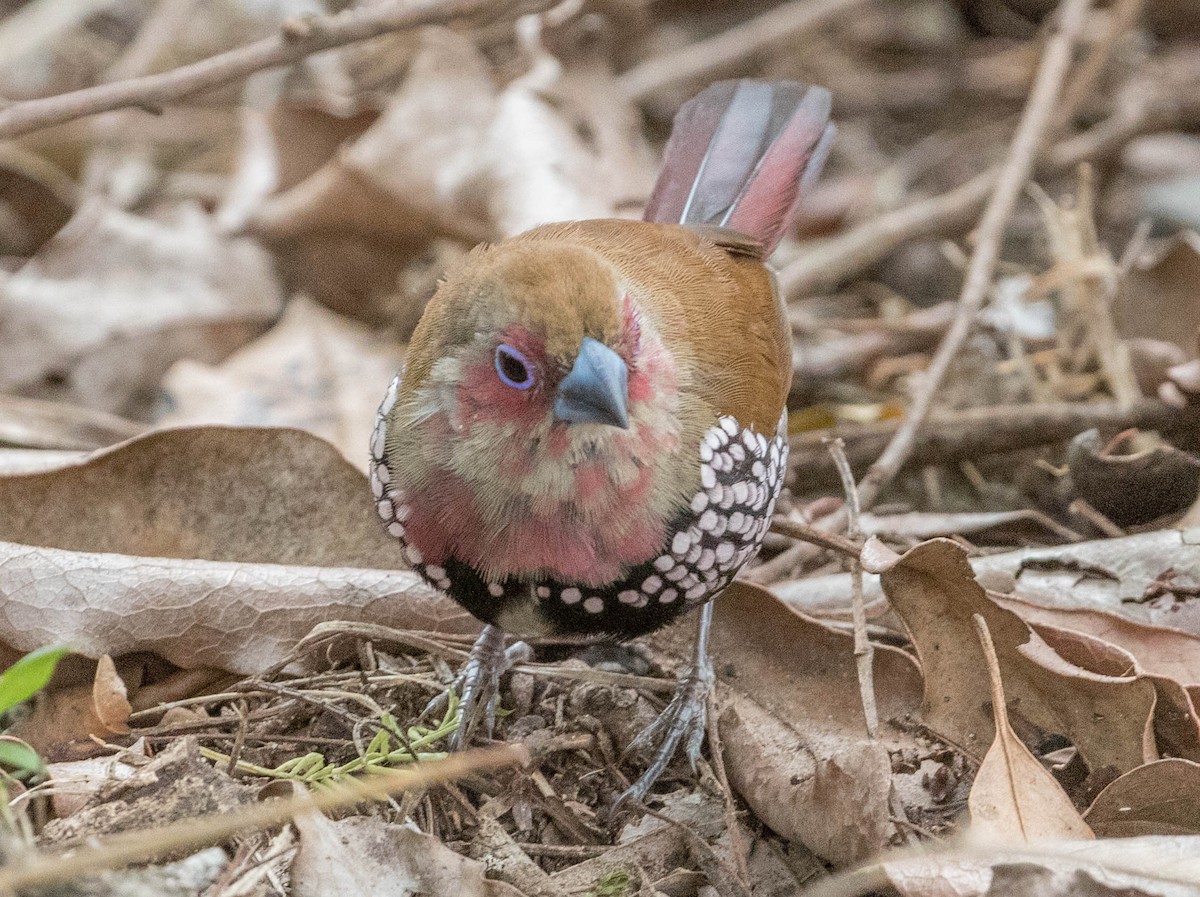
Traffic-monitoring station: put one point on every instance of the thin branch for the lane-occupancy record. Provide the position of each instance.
(723, 52)
(969, 433)
(814, 536)
(1039, 111)
(297, 39)
(864, 651)
(49, 867)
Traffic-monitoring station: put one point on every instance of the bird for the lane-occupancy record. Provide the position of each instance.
(589, 434)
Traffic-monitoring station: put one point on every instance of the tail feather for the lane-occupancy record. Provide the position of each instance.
(739, 155)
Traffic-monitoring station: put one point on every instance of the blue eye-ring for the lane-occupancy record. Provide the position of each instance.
(513, 368)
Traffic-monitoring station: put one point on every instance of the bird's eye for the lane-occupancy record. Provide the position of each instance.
(513, 367)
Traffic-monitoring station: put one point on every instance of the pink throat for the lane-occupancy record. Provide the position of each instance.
(574, 517)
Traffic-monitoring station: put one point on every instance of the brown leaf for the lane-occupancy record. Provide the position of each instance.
(932, 587)
(1014, 798)
(1157, 649)
(791, 721)
(365, 855)
(110, 698)
(1160, 798)
(212, 547)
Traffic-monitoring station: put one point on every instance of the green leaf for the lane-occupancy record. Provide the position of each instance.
(28, 676)
(19, 757)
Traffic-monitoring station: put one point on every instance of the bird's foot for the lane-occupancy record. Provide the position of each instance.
(478, 684)
(682, 722)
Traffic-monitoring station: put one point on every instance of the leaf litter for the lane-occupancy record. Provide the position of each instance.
(215, 299)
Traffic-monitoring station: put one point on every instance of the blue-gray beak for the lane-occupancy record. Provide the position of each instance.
(595, 391)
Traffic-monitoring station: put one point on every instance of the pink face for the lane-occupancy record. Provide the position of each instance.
(517, 381)
(526, 493)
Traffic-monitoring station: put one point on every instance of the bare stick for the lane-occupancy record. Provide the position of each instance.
(721, 53)
(1039, 110)
(969, 433)
(864, 651)
(297, 39)
(816, 536)
(41, 868)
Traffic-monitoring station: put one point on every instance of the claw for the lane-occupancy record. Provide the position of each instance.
(479, 684)
(683, 721)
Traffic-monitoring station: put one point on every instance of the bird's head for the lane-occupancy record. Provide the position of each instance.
(539, 400)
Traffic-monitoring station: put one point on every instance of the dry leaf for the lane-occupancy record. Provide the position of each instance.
(791, 721)
(365, 855)
(933, 589)
(1014, 797)
(1145, 578)
(212, 547)
(1160, 798)
(110, 698)
(314, 370)
(1157, 649)
(1131, 489)
(1124, 867)
(100, 313)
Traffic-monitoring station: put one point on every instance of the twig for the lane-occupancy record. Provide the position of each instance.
(1082, 509)
(49, 867)
(723, 52)
(737, 844)
(864, 651)
(815, 536)
(975, 432)
(297, 39)
(1034, 120)
(1122, 16)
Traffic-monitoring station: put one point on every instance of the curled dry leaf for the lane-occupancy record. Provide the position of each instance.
(365, 855)
(1160, 798)
(932, 587)
(1014, 798)
(110, 697)
(312, 371)
(100, 313)
(100, 709)
(791, 720)
(212, 546)
(1131, 489)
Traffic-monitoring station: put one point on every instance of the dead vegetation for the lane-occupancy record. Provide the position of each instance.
(969, 660)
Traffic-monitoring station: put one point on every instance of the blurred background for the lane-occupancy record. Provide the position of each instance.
(259, 253)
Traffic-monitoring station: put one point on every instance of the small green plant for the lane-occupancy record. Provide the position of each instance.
(18, 684)
(390, 747)
(611, 884)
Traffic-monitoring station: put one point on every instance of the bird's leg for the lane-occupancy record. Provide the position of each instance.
(478, 683)
(682, 721)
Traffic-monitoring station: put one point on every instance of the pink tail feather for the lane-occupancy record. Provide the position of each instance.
(739, 156)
